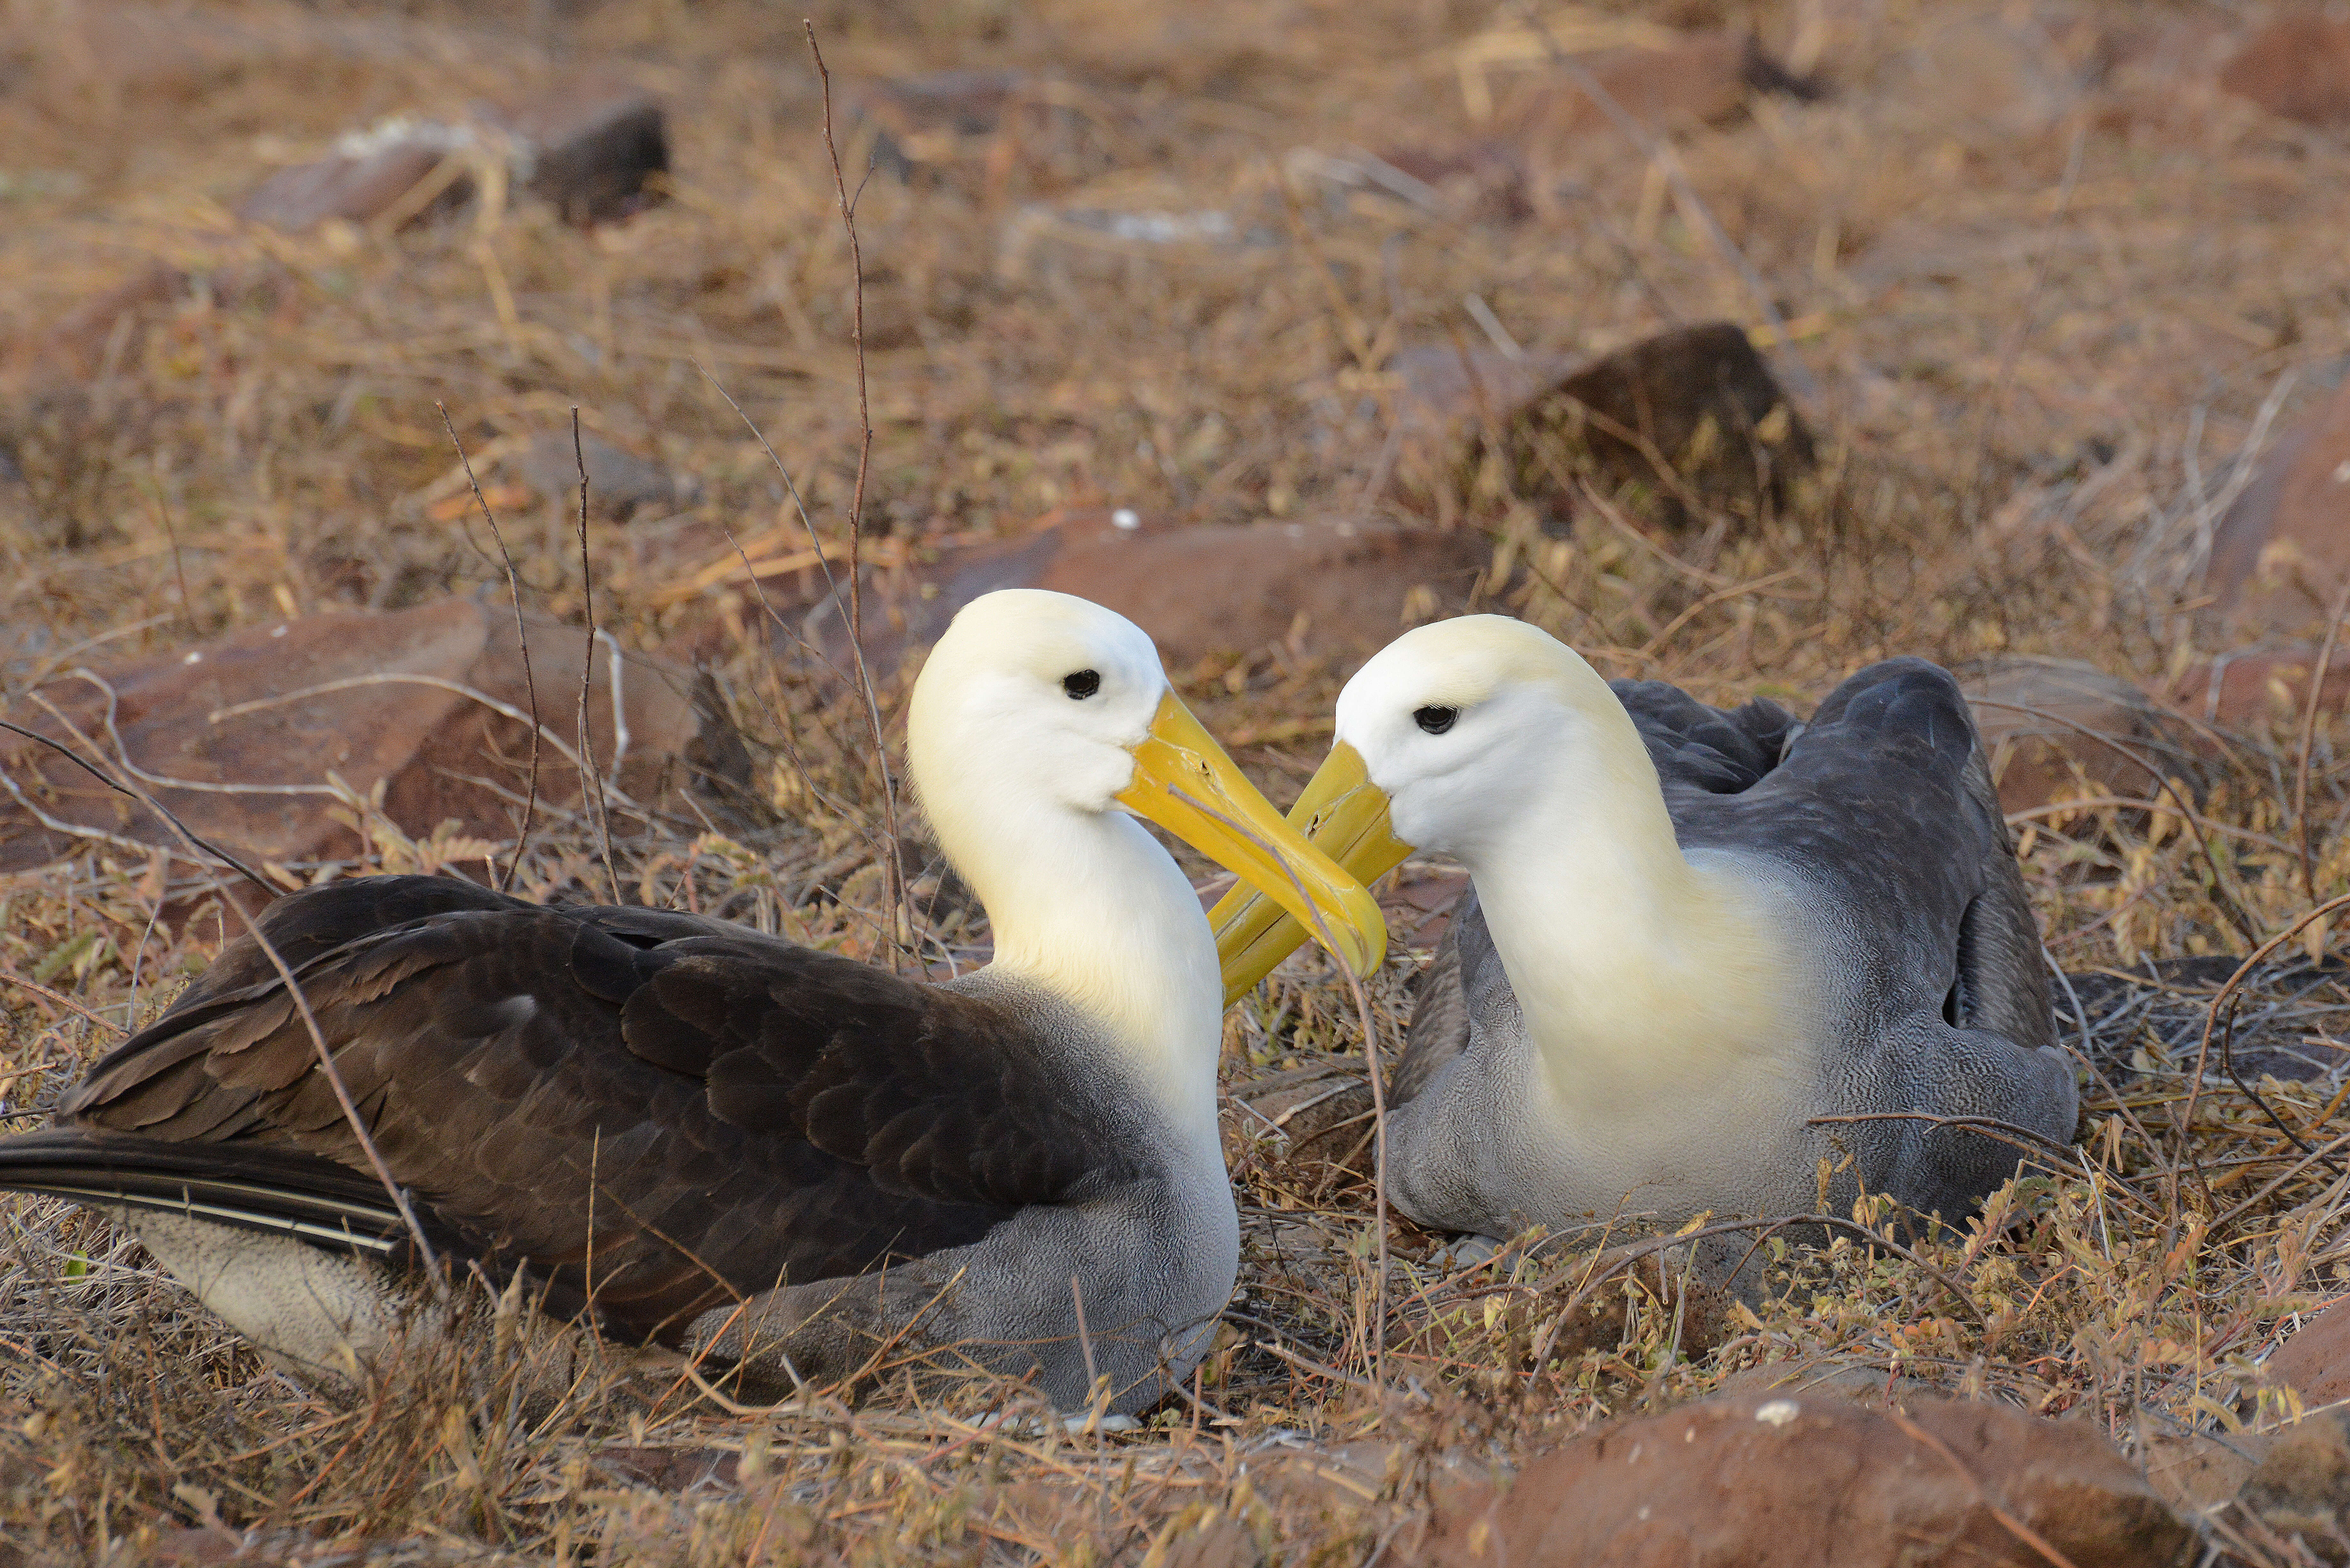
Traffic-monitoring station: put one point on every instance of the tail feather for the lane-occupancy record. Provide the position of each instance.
(278, 1192)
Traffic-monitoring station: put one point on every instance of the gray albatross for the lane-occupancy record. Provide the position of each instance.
(1691, 934)
(654, 1117)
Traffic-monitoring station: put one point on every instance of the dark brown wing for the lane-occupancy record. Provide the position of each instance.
(720, 1103)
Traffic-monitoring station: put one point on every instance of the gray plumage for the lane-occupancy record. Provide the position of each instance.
(1877, 825)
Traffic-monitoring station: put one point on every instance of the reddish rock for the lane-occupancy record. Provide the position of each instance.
(236, 738)
(985, 122)
(1316, 1122)
(79, 343)
(2300, 1492)
(1778, 1481)
(595, 151)
(1690, 415)
(1478, 181)
(2297, 67)
(2315, 1360)
(2281, 553)
(1685, 80)
(2195, 1471)
(1336, 590)
(620, 483)
(2057, 729)
(2255, 686)
(368, 175)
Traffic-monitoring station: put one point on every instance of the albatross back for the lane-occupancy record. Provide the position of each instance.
(1933, 993)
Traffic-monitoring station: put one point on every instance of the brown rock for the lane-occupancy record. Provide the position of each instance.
(2197, 1471)
(236, 736)
(1338, 589)
(1775, 1482)
(597, 151)
(1419, 905)
(1690, 417)
(1828, 1376)
(2057, 729)
(2281, 553)
(1480, 180)
(620, 483)
(1685, 80)
(1315, 1121)
(2301, 1489)
(368, 175)
(983, 122)
(2296, 67)
(2253, 686)
(2315, 1361)
(80, 344)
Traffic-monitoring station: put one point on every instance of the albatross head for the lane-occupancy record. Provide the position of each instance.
(1039, 712)
(1444, 740)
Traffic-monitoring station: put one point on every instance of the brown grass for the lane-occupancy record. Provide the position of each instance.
(2045, 299)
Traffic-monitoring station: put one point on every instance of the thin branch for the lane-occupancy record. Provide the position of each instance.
(591, 781)
(893, 883)
(2309, 739)
(222, 856)
(522, 636)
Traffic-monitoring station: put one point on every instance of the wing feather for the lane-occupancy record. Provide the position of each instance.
(726, 1105)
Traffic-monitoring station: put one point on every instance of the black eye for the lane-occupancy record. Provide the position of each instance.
(1083, 684)
(1435, 721)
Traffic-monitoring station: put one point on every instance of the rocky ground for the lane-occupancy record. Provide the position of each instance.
(1738, 343)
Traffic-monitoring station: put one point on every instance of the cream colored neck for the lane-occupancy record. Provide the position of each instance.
(1088, 908)
(1637, 972)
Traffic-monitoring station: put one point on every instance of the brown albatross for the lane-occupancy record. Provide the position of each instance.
(655, 1117)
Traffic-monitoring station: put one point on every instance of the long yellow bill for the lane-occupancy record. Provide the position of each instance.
(1345, 815)
(1184, 782)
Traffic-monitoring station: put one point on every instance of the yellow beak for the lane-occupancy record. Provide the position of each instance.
(1184, 782)
(1345, 815)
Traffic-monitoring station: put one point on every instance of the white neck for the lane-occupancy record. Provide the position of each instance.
(1087, 908)
(1637, 972)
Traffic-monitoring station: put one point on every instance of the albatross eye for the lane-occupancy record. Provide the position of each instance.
(1435, 721)
(1083, 684)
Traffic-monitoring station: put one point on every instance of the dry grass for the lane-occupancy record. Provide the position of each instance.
(2045, 297)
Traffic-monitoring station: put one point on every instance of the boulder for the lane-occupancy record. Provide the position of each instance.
(1773, 1480)
(983, 123)
(1333, 590)
(620, 483)
(2298, 67)
(2301, 1489)
(594, 149)
(2281, 552)
(2315, 1361)
(2249, 687)
(1690, 419)
(597, 152)
(1679, 80)
(2057, 729)
(238, 735)
(367, 175)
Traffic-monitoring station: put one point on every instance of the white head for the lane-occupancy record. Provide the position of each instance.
(1040, 721)
(1483, 738)
(1464, 724)
(1031, 697)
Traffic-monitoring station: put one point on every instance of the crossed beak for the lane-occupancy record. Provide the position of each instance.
(1343, 815)
(1184, 782)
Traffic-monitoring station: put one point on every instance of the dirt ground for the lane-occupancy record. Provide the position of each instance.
(2039, 286)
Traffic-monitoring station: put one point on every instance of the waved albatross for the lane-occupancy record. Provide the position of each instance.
(654, 1117)
(1691, 932)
